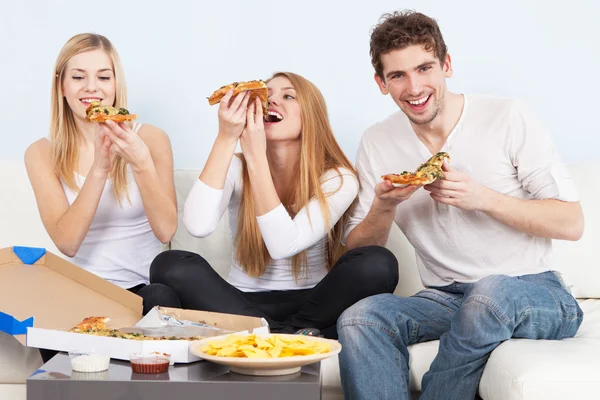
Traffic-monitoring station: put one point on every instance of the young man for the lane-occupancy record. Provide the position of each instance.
(482, 235)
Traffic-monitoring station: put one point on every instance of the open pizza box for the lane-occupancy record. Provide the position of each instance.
(41, 300)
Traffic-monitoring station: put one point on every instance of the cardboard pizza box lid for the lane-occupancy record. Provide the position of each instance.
(53, 293)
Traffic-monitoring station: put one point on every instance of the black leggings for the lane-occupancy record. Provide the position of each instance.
(359, 273)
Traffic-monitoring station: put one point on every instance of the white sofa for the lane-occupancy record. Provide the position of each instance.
(518, 369)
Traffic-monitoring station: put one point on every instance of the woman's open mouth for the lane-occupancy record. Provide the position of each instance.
(273, 117)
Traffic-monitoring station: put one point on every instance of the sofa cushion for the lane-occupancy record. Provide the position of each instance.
(577, 260)
(217, 248)
(542, 369)
(13, 392)
(21, 223)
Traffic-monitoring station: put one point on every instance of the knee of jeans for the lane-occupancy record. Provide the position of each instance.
(494, 292)
(368, 311)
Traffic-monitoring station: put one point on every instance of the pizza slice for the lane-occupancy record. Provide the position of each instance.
(91, 324)
(257, 88)
(98, 112)
(427, 172)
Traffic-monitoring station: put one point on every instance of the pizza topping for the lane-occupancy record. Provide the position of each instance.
(96, 107)
(97, 111)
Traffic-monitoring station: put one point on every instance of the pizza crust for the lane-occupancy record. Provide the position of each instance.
(117, 118)
(407, 179)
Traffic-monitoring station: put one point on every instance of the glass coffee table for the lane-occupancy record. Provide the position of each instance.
(200, 380)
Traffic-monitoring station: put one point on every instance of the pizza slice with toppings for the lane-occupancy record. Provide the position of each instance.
(91, 324)
(98, 112)
(427, 172)
(257, 88)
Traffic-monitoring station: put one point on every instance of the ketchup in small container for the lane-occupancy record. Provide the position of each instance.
(150, 363)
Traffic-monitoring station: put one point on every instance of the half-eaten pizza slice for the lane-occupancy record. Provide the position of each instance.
(257, 88)
(98, 112)
(427, 172)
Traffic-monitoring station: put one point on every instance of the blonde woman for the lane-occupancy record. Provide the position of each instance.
(288, 196)
(104, 191)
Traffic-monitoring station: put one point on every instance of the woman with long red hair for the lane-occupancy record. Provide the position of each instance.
(289, 195)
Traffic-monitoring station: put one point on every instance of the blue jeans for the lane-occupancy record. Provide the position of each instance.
(470, 320)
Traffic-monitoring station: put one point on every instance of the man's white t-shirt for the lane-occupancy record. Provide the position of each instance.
(500, 144)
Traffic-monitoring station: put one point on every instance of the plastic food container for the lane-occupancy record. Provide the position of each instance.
(89, 376)
(150, 363)
(88, 361)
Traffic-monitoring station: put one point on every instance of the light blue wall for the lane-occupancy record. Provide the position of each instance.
(175, 55)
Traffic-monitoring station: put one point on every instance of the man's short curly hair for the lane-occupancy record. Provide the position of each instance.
(401, 29)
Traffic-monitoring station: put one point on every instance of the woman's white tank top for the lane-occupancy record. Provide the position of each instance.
(120, 244)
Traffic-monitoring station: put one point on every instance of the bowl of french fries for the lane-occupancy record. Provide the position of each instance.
(265, 355)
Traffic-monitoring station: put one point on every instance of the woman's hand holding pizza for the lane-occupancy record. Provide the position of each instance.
(253, 140)
(127, 144)
(102, 165)
(232, 114)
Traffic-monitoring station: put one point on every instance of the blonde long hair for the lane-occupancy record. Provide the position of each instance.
(319, 153)
(64, 136)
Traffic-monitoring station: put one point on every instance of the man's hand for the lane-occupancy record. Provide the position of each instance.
(375, 228)
(459, 190)
(388, 197)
